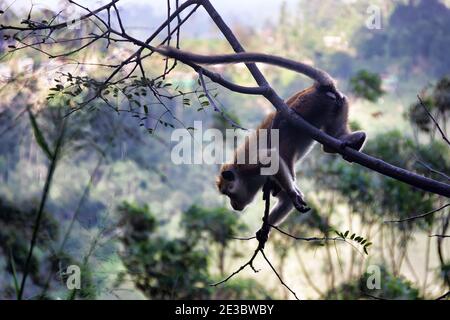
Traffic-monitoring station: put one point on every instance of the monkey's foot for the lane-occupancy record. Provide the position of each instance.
(299, 203)
(345, 144)
(262, 235)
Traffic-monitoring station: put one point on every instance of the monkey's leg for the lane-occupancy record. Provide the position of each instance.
(278, 213)
(281, 210)
(354, 140)
(286, 181)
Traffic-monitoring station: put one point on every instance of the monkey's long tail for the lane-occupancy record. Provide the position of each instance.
(320, 76)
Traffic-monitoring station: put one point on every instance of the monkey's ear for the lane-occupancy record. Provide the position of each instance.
(228, 175)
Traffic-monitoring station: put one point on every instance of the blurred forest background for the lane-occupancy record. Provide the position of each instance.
(141, 227)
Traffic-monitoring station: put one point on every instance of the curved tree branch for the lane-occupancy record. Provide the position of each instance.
(317, 134)
(319, 75)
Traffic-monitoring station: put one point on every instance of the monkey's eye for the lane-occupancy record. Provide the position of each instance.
(228, 175)
(331, 95)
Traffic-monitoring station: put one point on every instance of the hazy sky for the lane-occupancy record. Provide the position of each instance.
(141, 16)
(242, 10)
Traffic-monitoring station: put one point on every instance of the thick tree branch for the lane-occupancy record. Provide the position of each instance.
(314, 73)
(320, 136)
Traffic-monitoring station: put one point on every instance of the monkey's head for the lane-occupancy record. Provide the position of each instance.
(331, 94)
(229, 182)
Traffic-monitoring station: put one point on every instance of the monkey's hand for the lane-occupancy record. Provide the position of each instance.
(298, 202)
(262, 235)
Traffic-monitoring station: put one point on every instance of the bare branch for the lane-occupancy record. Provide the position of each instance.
(439, 236)
(428, 167)
(319, 75)
(278, 276)
(307, 239)
(216, 108)
(349, 154)
(445, 295)
(62, 24)
(434, 120)
(420, 215)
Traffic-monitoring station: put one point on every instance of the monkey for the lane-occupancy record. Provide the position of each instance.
(322, 105)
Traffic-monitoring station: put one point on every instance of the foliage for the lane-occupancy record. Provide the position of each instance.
(441, 94)
(435, 100)
(161, 268)
(418, 115)
(419, 47)
(356, 238)
(392, 287)
(362, 189)
(366, 85)
(14, 221)
(164, 268)
(218, 225)
(444, 271)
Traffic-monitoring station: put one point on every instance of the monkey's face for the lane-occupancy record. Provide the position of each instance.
(231, 185)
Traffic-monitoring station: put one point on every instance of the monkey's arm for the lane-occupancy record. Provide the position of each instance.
(281, 210)
(286, 181)
(278, 213)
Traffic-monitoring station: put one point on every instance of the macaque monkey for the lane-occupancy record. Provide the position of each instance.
(323, 107)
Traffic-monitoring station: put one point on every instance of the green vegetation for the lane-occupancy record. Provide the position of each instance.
(178, 268)
(366, 85)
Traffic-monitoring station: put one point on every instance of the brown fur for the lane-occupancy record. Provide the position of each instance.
(320, 110)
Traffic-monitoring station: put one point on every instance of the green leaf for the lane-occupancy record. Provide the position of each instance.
(346, 233)
(339, 234)
(352, 236)
(40, 140)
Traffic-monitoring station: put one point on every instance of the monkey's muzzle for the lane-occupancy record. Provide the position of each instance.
(236, 206)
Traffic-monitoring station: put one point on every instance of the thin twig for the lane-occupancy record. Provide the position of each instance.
(419, 216)
(434, 120)
(278, 276)
(215, 107)
(432, 170)
(445, 295)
